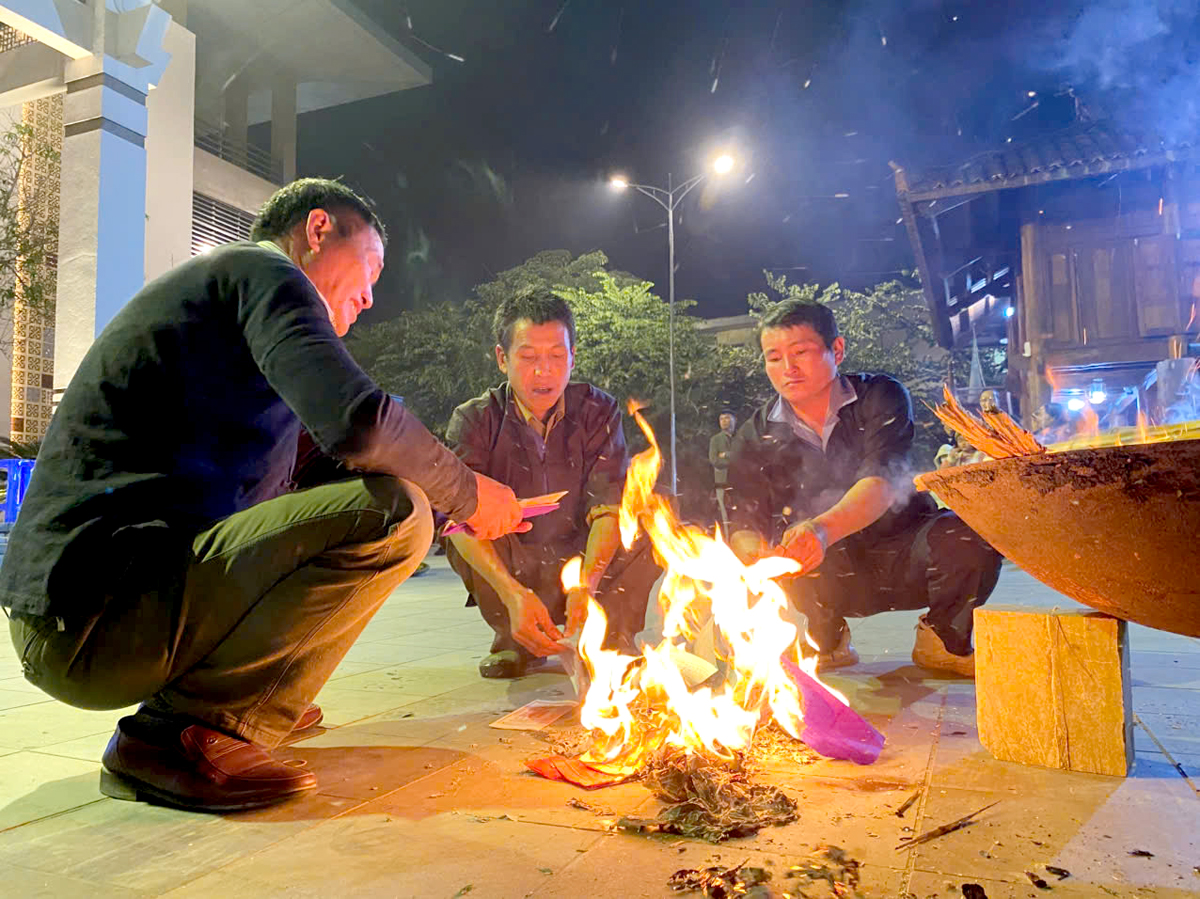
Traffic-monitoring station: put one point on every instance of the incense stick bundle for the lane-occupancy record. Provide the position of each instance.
(996, 435)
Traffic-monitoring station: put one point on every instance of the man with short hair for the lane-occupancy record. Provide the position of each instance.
(718, 457)
(822, 472)
(538, 433)
(162, 558)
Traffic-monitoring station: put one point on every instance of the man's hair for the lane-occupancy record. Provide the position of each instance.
(794, 313)
(1054, 411)
(291, 204)
(539, 306)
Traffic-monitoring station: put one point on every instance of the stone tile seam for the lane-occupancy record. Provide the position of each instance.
(1163, 749)
(910, 862)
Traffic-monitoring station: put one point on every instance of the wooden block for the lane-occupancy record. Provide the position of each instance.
(1052, 688)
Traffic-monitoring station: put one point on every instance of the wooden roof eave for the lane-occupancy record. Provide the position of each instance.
(1069, 173)
(942, 329)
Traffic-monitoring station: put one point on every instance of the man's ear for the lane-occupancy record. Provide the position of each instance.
(839, 349)
(317, 229)
(501, 359)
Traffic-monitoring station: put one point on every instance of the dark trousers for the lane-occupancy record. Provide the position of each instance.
(271, 601)
(940, 563)
(623, 592)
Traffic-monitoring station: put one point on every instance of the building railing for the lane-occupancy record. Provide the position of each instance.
(212, 139)
(10, 38)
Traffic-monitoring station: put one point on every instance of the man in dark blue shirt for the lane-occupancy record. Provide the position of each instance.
(822, 472)
(161, 556)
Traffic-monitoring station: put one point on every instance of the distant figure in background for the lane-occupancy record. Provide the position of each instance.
(718, 458)
(1050, 424)
(988, 402)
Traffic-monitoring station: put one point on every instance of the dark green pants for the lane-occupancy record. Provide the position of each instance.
(273, 598)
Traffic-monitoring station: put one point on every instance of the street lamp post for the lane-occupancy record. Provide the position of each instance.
(669, 199)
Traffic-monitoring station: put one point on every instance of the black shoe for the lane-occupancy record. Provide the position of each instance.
(504, 664)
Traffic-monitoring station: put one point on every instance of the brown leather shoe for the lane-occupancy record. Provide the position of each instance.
(195, 768)
(311, 718)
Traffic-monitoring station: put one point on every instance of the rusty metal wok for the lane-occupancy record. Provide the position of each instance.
(1116, 528)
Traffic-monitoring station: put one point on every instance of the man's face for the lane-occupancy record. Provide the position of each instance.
(538, 363)
(725, 421)
(344, 269)
(798, 363)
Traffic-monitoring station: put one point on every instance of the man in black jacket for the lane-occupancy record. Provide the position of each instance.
(822, 472)
(161, 556)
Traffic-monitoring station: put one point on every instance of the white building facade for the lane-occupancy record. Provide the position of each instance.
(153, 104)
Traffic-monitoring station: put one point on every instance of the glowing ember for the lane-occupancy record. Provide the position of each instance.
(636, 705)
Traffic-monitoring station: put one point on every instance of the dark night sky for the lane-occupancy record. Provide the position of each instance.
(508, 152)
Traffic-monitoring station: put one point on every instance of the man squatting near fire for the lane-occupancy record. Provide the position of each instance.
(822, 471)
(162, 557)
(538, 433)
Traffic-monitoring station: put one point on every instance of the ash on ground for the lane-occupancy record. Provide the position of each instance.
(828, 873)
(709, 799)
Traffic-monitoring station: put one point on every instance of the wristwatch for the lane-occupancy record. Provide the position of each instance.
(820, 531)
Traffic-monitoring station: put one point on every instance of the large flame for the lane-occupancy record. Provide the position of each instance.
(637, 704)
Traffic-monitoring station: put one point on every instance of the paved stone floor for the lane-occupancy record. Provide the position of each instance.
(419, 797)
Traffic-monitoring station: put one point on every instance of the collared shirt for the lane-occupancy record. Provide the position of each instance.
(841, 394)
(777, 478)
(542, 429)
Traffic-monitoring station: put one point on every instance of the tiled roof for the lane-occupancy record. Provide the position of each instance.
(1095, 148)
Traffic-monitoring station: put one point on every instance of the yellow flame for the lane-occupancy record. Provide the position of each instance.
(637, 704)
(572, 574)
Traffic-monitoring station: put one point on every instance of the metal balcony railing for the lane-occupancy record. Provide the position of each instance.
(212, 139)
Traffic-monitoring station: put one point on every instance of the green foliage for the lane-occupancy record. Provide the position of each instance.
(442, 354)
(435, 357)
(28, 246)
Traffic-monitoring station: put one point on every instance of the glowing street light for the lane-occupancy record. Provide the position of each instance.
(669, 199)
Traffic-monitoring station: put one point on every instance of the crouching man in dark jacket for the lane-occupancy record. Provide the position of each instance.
(538, 433)
(822, 471)
(161, 556)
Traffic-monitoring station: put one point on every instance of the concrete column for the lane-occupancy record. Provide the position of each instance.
(283, 125)
(101, 242)
(170, 156)
(237, 111)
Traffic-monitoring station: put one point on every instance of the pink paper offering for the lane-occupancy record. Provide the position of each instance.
(530, 508)
(830, 727)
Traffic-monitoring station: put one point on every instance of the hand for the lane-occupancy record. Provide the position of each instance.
(497, 512)
(531, 624)
(577, 607)
(806, 543)
(748, 546)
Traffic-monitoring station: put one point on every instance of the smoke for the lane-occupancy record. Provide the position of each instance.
(984, 71)
(1138, 60)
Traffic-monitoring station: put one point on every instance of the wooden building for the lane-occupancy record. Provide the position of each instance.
(1080, 251)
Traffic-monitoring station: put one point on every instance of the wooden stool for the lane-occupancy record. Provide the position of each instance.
(1052, 688)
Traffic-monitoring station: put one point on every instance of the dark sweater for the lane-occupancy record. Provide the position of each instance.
(187, 409)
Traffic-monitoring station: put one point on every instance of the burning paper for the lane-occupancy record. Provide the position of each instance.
(637, 706)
